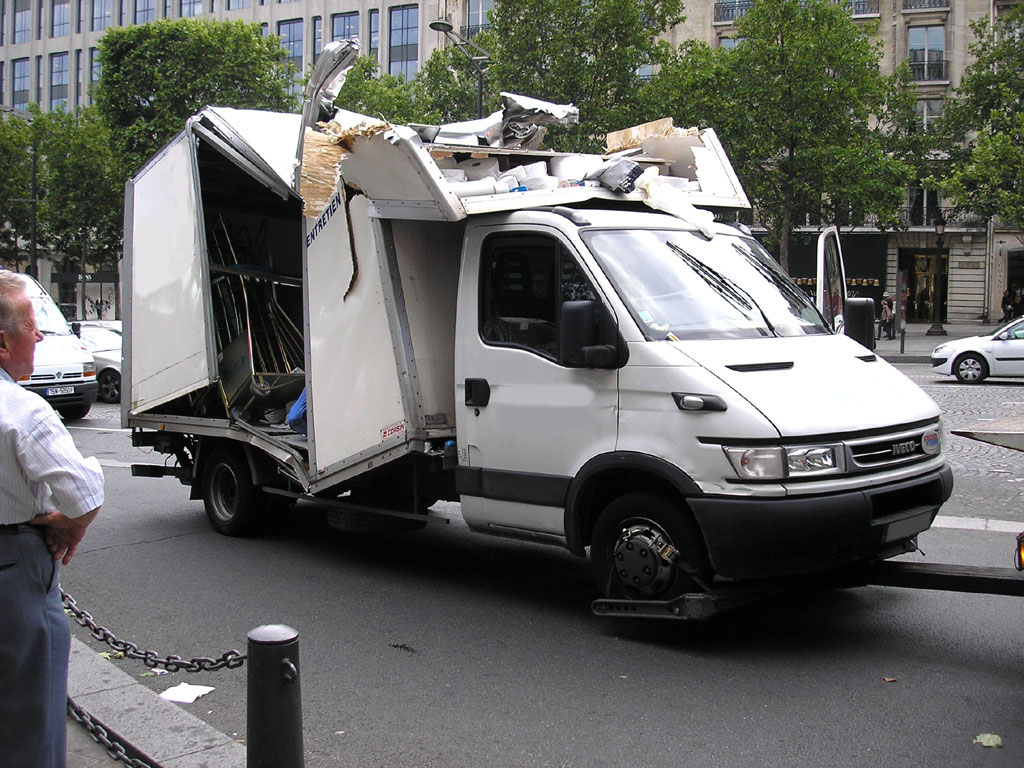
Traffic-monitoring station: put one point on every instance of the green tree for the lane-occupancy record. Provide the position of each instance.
(812, 126)
(984, 124)
(155, 76)
(83, 206)
(389, 97)
(592, 53)
(15, 186)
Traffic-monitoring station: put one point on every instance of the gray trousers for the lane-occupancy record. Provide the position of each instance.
(34, 646)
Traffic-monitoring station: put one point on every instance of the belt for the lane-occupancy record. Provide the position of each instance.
(21, 528)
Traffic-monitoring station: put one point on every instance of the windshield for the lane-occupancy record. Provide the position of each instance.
(49, 319)
(680, 285)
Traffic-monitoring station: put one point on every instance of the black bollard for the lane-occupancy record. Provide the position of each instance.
(274, 707)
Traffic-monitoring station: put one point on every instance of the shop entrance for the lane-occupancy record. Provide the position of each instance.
(1015, 281)
(926, 270)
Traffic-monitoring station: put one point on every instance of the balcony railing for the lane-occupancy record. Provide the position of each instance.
(474, 29)
(929, 217)
(925, 5)
(861, 7)
(926, 71)
(732, 9)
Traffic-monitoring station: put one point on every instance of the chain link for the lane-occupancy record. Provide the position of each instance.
(228, 660)
(99, 734)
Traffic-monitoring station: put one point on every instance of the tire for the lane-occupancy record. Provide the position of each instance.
(233, 504)
(625, 545)
(970, 368)
(78, 412)
(109, 386)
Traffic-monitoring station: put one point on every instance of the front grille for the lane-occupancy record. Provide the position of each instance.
(889, 450)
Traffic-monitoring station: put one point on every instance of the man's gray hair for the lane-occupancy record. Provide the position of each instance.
(10, 284)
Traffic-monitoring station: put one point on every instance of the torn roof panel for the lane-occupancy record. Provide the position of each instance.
(272, 136)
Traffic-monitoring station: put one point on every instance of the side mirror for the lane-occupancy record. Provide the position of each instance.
(860, 321)
(1004, 336)
(581, 342)
(76, 328)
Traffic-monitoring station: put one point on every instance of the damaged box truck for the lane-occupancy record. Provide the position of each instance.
(568, 345)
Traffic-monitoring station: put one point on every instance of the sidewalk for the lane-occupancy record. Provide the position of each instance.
(160, 733)
(917, 345)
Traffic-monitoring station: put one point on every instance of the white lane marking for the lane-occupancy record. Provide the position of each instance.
(977, 524)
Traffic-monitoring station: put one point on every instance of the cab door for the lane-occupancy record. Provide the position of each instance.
(830, 291)
(526, 421)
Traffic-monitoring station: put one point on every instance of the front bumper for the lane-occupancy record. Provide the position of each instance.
(751, 538)
(940, 362)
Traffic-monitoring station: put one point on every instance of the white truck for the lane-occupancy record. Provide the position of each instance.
(65, 372)
(569, 364)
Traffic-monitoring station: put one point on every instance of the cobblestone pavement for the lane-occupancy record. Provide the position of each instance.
(989, 479)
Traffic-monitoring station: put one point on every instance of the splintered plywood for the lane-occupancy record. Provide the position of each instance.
(321, 154)
(627, 138)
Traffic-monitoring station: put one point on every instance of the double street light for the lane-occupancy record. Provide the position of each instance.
(477, 56)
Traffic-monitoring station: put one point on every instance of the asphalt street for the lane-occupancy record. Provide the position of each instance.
(447, 648)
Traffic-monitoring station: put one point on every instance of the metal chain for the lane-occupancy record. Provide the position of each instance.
(228, 660)
(99, 734)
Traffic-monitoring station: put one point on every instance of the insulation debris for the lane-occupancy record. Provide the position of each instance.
(320, 158)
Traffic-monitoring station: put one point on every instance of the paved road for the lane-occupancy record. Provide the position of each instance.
(445, 648)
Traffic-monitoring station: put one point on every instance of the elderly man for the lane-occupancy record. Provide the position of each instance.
(49, 494)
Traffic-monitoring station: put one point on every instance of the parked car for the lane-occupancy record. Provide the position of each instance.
(104, 341)
(971, 360)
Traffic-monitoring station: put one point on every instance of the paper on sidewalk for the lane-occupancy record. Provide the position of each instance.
(185, 693)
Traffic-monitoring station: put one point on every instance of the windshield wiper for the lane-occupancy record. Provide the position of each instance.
(721, 285)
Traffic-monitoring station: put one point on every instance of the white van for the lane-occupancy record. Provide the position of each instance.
(65, 373)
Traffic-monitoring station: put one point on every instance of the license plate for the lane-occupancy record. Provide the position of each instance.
(905, 528)
(51, 391)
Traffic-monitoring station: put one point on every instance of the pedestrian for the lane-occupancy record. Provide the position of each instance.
(49, 494)
(887, 317)
(1007, 305)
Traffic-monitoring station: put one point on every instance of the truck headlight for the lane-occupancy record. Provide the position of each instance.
(88, 369)
(779, 462)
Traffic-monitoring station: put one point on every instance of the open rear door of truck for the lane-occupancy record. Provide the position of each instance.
(165, 278)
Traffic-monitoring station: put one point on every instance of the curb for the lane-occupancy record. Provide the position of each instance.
(161, 732)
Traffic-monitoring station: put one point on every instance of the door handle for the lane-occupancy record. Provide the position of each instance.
(478, 392)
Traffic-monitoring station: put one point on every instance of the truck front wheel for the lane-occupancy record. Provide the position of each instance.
(645, 548)
(233, 504)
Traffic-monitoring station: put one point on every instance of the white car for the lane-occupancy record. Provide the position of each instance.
(971, 360)
(104, 341)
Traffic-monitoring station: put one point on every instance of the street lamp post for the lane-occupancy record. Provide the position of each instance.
(479, 58)
(938, 282)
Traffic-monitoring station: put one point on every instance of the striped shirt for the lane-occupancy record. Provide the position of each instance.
(41, 469)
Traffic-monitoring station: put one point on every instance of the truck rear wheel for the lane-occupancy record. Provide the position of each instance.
(233, 504)
(645, 548)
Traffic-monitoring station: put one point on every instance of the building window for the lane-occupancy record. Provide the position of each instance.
(145, 10)
(345, 26)
(728, 11)
(926, 51)
(20, 80)
(318, 37)
(59, 64)
(373, 22)
(39, 21)
(100, 15)
(189, 8)
(403, 40)
(237, 5)
(1, 82)
(22, 21)
(94, 66)
(39, 80)
(60, 18)
(928, 111)
(78, 16)
(476, 17)
(78, 78)
(925, 207)
(290, 33)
